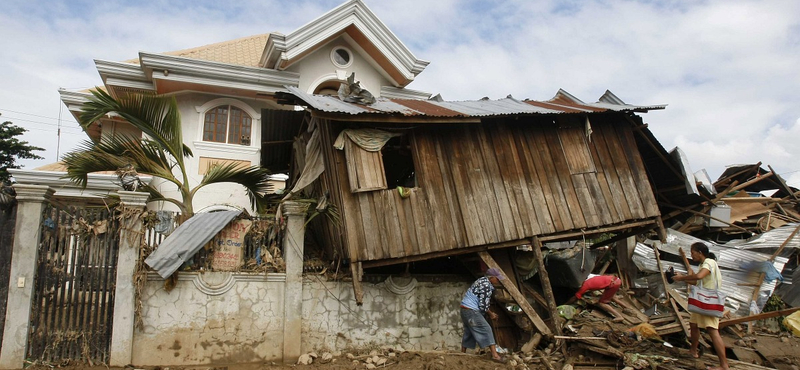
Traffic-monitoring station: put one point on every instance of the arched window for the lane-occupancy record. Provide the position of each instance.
(227, 124)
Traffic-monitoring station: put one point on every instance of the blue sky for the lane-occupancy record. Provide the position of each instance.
(727, 69)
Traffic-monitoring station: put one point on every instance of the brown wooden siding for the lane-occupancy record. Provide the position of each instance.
(490, 183)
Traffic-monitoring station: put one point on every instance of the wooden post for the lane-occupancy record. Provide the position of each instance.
(546, 287)
(519, 297)
(355, 268)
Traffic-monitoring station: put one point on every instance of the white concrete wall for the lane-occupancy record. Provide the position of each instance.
(424, 318)
(318, 65)
(218, 318)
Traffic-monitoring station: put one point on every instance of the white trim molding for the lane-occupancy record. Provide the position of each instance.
(282, 50)
(203, 72)
(227, 148)
(97, 185)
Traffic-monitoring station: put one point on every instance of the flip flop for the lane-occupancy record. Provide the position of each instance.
(501, 360)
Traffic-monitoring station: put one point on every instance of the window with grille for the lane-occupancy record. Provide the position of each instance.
(227, 124)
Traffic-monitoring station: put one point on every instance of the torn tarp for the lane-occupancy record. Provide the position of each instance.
(186, 240)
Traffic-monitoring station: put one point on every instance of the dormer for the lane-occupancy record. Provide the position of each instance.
(344, 35)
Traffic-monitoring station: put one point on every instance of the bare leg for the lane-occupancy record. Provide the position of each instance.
(695, 338)
(463, 349)
(719, 347)
(493, 349)
(611, 311)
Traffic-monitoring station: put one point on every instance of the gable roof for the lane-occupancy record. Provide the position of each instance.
(359, 23)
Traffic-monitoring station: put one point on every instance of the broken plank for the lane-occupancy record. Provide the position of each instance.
(518, 297)
(606, 351)
(761, 316)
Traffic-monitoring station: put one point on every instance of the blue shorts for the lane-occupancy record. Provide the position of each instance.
(476, 329)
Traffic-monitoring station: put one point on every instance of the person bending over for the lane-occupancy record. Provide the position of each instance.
(610, 285)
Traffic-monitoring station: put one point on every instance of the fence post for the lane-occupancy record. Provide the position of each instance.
(31, 201)
(293, 240)
(130, 230)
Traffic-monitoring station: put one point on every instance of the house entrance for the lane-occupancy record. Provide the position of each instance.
(73, 298)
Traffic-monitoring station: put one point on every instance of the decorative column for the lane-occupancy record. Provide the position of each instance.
(131, 228)
(293, 239)
(24, 255)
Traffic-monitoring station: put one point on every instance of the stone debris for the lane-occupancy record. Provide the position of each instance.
(305, 359)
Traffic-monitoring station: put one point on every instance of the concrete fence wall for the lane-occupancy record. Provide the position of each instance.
(223, 318)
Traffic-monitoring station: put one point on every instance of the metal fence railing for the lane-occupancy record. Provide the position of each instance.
(74, 286)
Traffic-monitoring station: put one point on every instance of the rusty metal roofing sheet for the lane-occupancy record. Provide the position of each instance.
(563, 102)
(186, 240)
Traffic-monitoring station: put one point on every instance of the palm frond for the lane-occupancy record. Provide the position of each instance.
(253, 178)
(156, 116)
(88, 158)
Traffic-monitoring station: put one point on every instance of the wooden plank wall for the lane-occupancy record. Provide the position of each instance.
(493, 182)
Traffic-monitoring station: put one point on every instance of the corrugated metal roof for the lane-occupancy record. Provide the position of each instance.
(186, 240)
(563, 102)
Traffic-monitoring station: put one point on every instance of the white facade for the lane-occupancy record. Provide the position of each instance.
(247, 73)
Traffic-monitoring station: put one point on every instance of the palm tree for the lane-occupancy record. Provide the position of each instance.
(159, 152)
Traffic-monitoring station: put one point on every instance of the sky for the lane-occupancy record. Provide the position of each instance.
(728, 69)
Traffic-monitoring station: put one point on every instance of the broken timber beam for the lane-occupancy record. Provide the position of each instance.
(761, 316)
(684, 325)
(546, 287)
(518, 297)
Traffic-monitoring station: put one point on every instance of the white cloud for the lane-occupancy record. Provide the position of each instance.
(727, 69)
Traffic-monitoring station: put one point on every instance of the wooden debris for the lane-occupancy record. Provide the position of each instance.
(761, 316)
(518, 297)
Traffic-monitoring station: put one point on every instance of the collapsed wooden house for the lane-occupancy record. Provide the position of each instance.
(463, 177)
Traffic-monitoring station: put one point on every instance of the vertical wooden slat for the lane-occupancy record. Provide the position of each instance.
(463, 191)
(541, 156)
(481, 188)
(630, 192)
(561, 171)
(384, 247)
(442, 160)
(600, 139)
(587, 202)
(510, 224)
(598, 180)
(599, 199)
(526, 180)
(432, 182)
(637, 170)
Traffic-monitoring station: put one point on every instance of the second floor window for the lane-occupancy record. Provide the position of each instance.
(227, 124)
